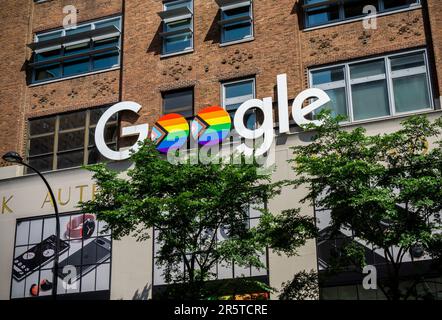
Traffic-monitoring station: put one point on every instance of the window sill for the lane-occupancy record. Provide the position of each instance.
(168, 55)
(332, 24)
(72, 77)
(231, 43)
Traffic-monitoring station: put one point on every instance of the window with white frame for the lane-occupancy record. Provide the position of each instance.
(89, 47)
(321, 12)
(236, 20)
(177, 17)
(236, 93)
(375, 88)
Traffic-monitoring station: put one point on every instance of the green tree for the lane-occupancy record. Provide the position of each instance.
(186, 204)
(386, 188)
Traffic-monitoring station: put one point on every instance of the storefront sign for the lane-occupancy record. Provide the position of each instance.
(213, 124)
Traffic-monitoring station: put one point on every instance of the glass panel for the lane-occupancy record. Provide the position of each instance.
(44, 125)
(367, 69)
(338, 103)
(76, 66)
(392, 4)
(326, 76)
(95, 156)
(53, 35)
(107, 60)
(177, 25)
(355, 8)
(41, 145)
(411, 93)
(106, 43)
(95, 115)
(235, 13)
(70, 140)
(44, 56)
(180, 102)
(177, 4)
(41, 163)
(77, 48)
(370, 100)
(72, 120)
(78, 30)
(239, 89)
(113, 22)
(322, 15)
(70, 159)
(48, 72)
(237, 31)
(110, 134)
(177, 43)
(407, 62)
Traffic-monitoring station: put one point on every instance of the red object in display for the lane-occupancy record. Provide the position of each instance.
(80, 227)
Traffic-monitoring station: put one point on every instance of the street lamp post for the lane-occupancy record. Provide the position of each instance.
(14, 157)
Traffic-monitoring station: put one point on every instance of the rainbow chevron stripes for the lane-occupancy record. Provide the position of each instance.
(170, 132)
(211, 126)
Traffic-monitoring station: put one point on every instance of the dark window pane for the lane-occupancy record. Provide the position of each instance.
(178, 102)
(70, 140)
(76, 66)
(329, 75)
(237, 31)
(177, 25)
(96, 157)
(43, 56)
(107, 60)
(392, 4)
(321, 15)
(106, 43)
(239, 89)
(70, 159)
(78, 30)
(177, 43)
(44, 125)
(177, 4)
(407, 62)
(113, 22)
(41, 145)
(72, 120)
(235, 13)
(77, 48)
(48, 72)
(41, 163)
(355, 8)
(367, 69)
(110, 134)
(49, 36)
(96, 114)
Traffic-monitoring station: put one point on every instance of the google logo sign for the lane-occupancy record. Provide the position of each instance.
(213, 124)
(210, 126)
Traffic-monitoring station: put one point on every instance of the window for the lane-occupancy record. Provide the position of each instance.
(67, 140)
(236, 20)
(236, 93)
(70, 52)
(85, 244)
(177, 32)
(378, 87)
(179, 101)
(320, 12)
(222, 269)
